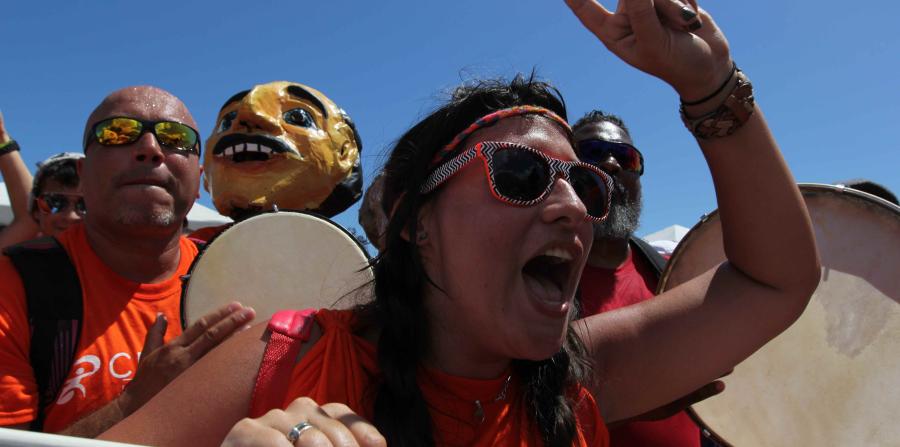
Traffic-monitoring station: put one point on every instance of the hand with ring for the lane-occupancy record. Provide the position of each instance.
(306, 423)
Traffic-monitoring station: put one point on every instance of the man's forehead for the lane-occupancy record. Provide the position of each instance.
(603, 130)
(144, 103)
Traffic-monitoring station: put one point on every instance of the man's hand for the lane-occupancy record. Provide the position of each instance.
(161, 363)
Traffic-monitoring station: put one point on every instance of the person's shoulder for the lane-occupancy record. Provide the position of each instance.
(12, 294)
(9, 276)
(336, 319)
(74, 241)
(190, 245)
(591, 425)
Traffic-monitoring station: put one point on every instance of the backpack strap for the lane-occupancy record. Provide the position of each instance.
(657, 261)
(288, 330)
(54, 303)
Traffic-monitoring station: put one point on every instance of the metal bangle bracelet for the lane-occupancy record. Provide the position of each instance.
(298, 430)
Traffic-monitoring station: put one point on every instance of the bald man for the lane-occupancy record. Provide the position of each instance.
(140, 176)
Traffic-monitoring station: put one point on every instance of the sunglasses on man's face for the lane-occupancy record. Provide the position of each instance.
(119, 131)
(521, 176)
(596, 152)
(57, 202)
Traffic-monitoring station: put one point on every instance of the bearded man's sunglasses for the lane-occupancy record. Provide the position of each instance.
(595, 152)
(118, 131)
(57, 202)
(521, 176)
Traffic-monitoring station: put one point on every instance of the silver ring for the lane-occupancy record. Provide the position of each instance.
(298, 430)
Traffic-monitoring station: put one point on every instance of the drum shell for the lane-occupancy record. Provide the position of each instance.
(277, 260)
(832, 377)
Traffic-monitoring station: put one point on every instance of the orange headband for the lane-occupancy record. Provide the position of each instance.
(491, 119)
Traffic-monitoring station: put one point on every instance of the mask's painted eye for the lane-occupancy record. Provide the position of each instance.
(227, 120)
(299, 117)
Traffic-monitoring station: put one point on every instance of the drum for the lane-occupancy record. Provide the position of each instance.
(833, 377)
(274, 261)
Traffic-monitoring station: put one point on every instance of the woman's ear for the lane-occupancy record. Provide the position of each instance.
(423, 221)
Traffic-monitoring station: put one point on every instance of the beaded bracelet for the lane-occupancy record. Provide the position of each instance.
(728, 117)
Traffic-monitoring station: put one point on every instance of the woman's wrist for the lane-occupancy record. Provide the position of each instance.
(705, 90)
(724, 112)
(710, 103)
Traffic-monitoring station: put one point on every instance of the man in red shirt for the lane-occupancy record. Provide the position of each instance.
(623, 270)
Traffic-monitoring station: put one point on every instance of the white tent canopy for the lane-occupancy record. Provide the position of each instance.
(6, 215)
(199, 216)
(665, 240)
(672, 233)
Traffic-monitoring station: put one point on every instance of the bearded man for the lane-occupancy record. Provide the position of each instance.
(623, 270)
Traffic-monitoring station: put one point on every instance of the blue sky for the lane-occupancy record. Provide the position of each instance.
(825, 74)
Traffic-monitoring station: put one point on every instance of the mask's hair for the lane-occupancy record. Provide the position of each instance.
(401, 413)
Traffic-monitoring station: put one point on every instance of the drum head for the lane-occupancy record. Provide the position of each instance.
(275, 261)
(833, 378)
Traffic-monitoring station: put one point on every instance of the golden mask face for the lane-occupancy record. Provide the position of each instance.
(280, 144)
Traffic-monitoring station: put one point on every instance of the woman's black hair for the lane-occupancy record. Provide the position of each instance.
(400, 410)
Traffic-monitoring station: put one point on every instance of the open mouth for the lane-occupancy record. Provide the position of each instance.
(546, 275)
(241, 148)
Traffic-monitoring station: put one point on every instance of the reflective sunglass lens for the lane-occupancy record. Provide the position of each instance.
(57, 203)
(80, 208)
(43, 205)
(591, 189)
(176, 135)
(520, 174)
(116, 131)
(597, 151)
(628, 157)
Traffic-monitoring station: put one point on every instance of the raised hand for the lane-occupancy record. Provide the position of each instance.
(161, 363)
(662, 38)
(305, 423)
(4, 137)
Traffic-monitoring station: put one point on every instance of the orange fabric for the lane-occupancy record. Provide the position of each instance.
(341, 367)
(205, 234)
(116, 317)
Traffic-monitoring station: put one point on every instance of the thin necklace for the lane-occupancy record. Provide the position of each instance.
(479, 409)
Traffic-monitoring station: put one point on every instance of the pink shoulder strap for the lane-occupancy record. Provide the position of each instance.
(288, 329)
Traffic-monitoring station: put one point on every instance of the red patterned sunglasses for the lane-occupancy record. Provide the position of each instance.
(521, 176)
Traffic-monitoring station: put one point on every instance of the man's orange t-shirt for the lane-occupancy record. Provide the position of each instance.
(342, 367)
(117, 314)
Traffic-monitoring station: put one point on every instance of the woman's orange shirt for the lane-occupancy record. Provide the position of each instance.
(342, 367)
